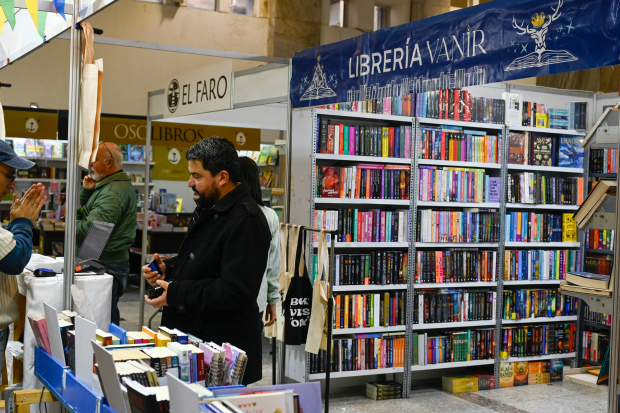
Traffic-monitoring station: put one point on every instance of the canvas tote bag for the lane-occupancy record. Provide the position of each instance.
(90, 99)
(272, 331)
(298, 301)
(317, 332)
(292, 232)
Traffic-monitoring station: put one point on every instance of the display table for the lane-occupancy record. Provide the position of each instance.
(98, 290)
(62, 383)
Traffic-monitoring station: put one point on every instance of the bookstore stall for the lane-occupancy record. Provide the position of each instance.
(454, 197)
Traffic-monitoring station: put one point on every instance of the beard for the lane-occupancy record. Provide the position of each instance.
(207, 199)
(94, 174)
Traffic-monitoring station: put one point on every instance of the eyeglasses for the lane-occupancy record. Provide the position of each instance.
(9, 176)
(109, 151)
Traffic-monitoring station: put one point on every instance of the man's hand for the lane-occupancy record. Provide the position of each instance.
(89, 182)
(270, 315)
(30, 205)
(152, 276)
(161, 300)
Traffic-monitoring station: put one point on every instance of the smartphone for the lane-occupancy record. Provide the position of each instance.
(155, 267)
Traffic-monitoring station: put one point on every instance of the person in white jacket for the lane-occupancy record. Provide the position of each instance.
(16, 238)
(269, 290)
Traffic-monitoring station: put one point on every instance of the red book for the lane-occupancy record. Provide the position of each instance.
(443, 146)
(440, 104)
(391, 141)
(359, 227)
(467, 108)
(341, 138)
(331, 130)
(446, 104)
(331, 182)
(39, 328)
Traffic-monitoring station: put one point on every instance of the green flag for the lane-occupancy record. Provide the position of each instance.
(42, 21)
(8, 6)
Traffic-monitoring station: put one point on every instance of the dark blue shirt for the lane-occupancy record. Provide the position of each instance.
(15, 261)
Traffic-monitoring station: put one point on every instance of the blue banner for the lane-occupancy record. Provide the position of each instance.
(496, 41)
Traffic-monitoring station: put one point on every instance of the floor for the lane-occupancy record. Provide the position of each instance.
(564, 397)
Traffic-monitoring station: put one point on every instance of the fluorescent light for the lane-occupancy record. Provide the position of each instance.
(34, 105)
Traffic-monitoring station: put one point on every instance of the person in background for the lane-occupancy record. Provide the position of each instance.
(212, 285)
(16, 238)
(108, 196)
(269, 290)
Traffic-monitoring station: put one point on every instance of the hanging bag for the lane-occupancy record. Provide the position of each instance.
(272, 331)
(298, 301)
(317, 332)
(90, 99)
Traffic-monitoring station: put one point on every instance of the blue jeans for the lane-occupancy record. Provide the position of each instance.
(120, 272)
(4, 336)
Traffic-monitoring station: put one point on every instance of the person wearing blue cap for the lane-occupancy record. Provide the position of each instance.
(16, 238)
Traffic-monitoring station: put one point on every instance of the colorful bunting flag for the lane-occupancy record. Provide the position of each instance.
(42, 21)
(2, 19)
(8, 8)
(60, 8)
(33, 9)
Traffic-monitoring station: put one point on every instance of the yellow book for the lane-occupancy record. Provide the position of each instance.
(541, 120)
(506, 375)
(519, 226)
(162, 340)
(451, 150)
(385, 143)
(569, 228)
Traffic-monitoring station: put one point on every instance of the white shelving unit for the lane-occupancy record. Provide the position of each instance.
(501, 170)
(372, 287)
(545, 357)
(355, 201)
(457, 364)
(543, 206)
(42, 180)
(560, 319)
(547, 130)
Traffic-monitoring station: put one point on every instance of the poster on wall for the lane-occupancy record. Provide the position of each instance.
(170, 164)
(497, 41)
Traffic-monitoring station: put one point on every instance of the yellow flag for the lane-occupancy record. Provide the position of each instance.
(33, 9)
(2, 19)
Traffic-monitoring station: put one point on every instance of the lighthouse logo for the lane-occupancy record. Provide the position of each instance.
(540, 56)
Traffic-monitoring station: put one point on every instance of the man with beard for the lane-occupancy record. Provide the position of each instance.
(108, 196)
(212, 285)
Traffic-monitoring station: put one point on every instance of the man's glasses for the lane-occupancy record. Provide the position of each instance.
(11, 177)
(109, 151)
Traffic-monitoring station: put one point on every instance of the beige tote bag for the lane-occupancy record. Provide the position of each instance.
(272, 331)
(90, 99)
(292, 235)
(317, 332)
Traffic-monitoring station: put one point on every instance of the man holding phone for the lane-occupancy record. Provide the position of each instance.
(16, 238)
(210, 288)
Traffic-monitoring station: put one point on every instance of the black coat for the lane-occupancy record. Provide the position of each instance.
(217, 276)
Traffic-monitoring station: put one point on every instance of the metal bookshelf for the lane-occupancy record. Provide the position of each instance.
(501, 170)
(349, 118)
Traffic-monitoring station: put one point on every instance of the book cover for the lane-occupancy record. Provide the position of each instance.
(569, 228)
(517, 148)
(557, 368)
(330, 181)
(494, 189)
(570, 152)
(521, 373)
(506, 375)
(136, 153)
(485, 381)
(20, 147)
(542, 151)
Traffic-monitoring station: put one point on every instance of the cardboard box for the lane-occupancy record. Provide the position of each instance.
(459, 384)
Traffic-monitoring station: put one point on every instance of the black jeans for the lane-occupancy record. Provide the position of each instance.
(120, 272)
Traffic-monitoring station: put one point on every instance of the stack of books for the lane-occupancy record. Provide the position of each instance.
(539, 149)
(523, 373)
(531, 304)
(384, 391)
(538, 340)
(452, 143)
(453, 346)
(455, 265)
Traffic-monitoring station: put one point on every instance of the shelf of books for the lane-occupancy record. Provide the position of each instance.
(544, 357)
(361, 183)
(454, 213)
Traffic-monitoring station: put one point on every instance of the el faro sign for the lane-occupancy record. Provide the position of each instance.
(199, 91)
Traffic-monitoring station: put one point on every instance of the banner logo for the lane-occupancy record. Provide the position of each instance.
(541, 56)
(173, 95)
(32, 125)
(318, 88)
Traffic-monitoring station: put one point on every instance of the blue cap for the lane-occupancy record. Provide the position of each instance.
(10, 158)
